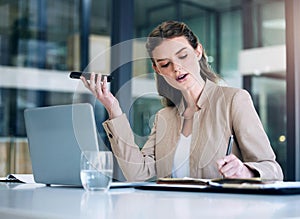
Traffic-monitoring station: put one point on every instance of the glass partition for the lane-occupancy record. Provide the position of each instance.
(270, 101)
(40, 44)
(266, 72)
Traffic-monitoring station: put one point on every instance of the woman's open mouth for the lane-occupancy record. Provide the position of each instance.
(181, 77)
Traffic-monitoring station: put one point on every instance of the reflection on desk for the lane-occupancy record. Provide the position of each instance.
(37, 201)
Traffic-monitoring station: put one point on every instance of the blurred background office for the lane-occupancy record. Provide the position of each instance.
(247, 42)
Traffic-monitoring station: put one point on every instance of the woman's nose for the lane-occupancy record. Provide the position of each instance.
(177, 67)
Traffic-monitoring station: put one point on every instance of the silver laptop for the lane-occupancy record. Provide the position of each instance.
(56, 137)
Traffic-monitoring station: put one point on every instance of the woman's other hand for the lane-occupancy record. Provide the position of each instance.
(100, 90)
(232, 167)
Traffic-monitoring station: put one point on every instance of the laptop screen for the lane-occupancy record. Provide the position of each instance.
(56, 137)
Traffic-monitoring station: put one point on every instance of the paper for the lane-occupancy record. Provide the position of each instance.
(21, 178)
(183, 181)
(209, 182)
(263, 185)
(230, 183)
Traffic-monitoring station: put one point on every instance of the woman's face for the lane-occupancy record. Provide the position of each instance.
(178, 62)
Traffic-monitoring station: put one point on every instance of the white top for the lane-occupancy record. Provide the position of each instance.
(181, 164)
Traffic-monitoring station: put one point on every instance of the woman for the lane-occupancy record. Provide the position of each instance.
(190, 134)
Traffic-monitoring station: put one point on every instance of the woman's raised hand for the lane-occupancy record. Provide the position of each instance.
(100, 90)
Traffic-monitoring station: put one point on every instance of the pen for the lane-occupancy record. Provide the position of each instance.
(229, 147)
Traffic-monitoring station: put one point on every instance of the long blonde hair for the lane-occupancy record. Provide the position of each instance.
(168, 30)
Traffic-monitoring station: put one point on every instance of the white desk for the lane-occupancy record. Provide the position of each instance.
(37, 201)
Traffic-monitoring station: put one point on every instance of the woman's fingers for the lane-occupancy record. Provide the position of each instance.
(99, 86)
(101, 92)
(92, 83)
(230, 166)
(95, 85)
(220, 163)
(104, 86)
(86, 84)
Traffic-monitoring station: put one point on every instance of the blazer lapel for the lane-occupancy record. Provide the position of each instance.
(208, 125)
(166, 147)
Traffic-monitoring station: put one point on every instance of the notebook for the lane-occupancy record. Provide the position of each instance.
(225, 185)
(56, 137)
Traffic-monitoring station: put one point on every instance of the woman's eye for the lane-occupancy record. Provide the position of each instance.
(183, 56)
(165, 65)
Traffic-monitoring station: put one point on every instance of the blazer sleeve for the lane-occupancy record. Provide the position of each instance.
(136, 164)
(252, 140)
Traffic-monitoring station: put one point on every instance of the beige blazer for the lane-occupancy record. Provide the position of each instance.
(223, 111)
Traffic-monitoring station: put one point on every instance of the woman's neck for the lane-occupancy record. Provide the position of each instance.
(192, 95)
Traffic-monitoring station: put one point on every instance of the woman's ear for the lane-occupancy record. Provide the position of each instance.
(199, 51)
(155, 68)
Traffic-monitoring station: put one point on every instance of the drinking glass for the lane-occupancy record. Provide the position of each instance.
(96, 170)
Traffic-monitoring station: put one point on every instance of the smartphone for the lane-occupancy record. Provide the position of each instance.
(87, 75)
